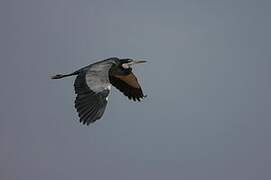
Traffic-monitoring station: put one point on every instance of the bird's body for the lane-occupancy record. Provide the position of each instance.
(93, 84)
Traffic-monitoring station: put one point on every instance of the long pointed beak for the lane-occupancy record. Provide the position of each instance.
(136, 62)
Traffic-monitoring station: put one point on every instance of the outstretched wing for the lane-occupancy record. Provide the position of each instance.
(128, 85)
(92, 88)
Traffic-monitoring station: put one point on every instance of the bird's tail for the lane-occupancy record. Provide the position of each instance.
(60, 76)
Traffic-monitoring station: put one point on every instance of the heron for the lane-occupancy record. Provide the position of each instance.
(93, 83)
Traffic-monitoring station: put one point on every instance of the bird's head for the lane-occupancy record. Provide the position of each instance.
(124, 66)
(128, 63)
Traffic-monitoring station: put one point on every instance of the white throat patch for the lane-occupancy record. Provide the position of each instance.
(125, 66)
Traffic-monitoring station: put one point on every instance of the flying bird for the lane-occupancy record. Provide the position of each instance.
(93, 84)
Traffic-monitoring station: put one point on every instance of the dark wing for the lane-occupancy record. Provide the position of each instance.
(90, 105)
(128, 85)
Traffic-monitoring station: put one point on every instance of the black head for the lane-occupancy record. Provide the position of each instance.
(124, 66)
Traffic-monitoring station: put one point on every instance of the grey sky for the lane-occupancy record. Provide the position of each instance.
(207, 115)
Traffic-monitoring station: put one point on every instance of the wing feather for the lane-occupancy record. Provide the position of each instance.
(90, 105)
(128, 85)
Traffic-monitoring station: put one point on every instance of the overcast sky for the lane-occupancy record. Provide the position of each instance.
(208, 111)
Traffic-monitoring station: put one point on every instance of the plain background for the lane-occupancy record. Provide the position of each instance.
(207, 114)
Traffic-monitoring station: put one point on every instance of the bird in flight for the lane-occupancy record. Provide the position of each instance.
(93, 84)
